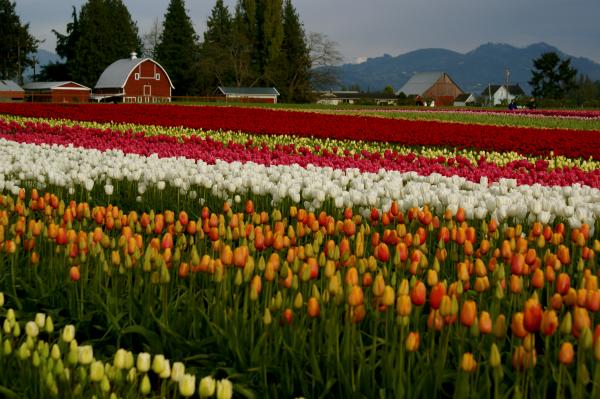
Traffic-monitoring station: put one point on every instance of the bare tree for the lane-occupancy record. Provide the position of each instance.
(152, 38)
(324, 56)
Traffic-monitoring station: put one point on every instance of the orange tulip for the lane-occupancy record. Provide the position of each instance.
(313, 306)
(418, 293)
(74, 273)
(403, 305)
(468, 313)
(468, 363)
(581, 320)
(532, 315)
(485, 323)
(517, 326)
(412, 341)
(355, 296)
(549, 322)
(436, 295)
(563, 283)
(566, 354)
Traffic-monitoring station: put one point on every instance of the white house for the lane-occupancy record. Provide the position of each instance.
(496, 94)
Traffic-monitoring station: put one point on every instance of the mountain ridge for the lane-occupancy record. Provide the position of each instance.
(472, 71)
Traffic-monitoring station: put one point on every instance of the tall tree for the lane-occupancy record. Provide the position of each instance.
(291, 71)
(65, 48)
(17, 45)
(324, 55)
(216, 50)
(107, 33)
(585, 90)
(151, 39)
(269, 37)
(552, 77)
(177, 50)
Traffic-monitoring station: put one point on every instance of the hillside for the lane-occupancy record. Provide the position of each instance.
(472, 71)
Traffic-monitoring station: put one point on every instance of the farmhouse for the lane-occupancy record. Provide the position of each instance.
(57, 92)
(496, 94)
(465, 99)
(134, 80)
(249, 94)
(437, 86)
(10, 91)
(332, 97)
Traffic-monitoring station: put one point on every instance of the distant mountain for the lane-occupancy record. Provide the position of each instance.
(472, 71)
(43, 57)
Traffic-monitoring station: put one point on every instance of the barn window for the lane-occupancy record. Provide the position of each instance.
(137, 76)
(157, 76)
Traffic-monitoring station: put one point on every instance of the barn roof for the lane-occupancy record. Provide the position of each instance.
(420, 82)
(249, 91)
(9, 85)
(117, 73)
(53, 85)
(463, 97)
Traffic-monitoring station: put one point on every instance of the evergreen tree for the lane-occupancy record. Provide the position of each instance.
(552, 78)
(17, 46)
(177, 50)
(269, 37)
(292, 69)
(216, 51)
(65, 47)
(107, 33)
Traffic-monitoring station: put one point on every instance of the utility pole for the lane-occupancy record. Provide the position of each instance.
(507, 76)
(490, 94)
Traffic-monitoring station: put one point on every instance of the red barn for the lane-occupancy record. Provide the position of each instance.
(57, 92)
(10, 91)
(134, 80)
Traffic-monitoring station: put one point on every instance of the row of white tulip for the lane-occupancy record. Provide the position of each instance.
(83, 169)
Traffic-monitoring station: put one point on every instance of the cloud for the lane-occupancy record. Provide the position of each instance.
(372, 28)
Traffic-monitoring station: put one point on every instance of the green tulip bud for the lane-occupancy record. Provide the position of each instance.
(145, 385)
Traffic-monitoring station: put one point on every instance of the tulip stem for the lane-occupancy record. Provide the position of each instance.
(560, 378)
(546, 364)
(596, 381)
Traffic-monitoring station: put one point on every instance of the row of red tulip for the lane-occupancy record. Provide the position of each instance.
(530, 141)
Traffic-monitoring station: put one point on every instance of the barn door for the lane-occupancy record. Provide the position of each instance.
(147, 93)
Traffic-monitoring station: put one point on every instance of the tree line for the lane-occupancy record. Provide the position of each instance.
(259, 43)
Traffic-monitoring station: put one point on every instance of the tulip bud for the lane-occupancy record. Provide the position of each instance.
(143, 362)
(55, 352)
(267, 317)
(495, 358)
(68, 333)
(177, 371)
(49, 325)
(145, 385)
(158, 363)
(499, 329)
(1, 299)
(224, 389)
(166, 371)
(566, 325)
(412, 341)
(31, 329)
(7, 347)
(585, 338)
(85, 354)
(468, 363)
(187, 385)
(96, 371)
(468, 313)
(207, 387)
(566, 353)
(120, 356)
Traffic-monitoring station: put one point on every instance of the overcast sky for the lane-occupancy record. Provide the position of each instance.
(370, 28)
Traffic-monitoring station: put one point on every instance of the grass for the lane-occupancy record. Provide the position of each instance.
(431, 115)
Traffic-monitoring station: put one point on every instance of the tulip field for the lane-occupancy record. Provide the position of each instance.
(167, 251)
